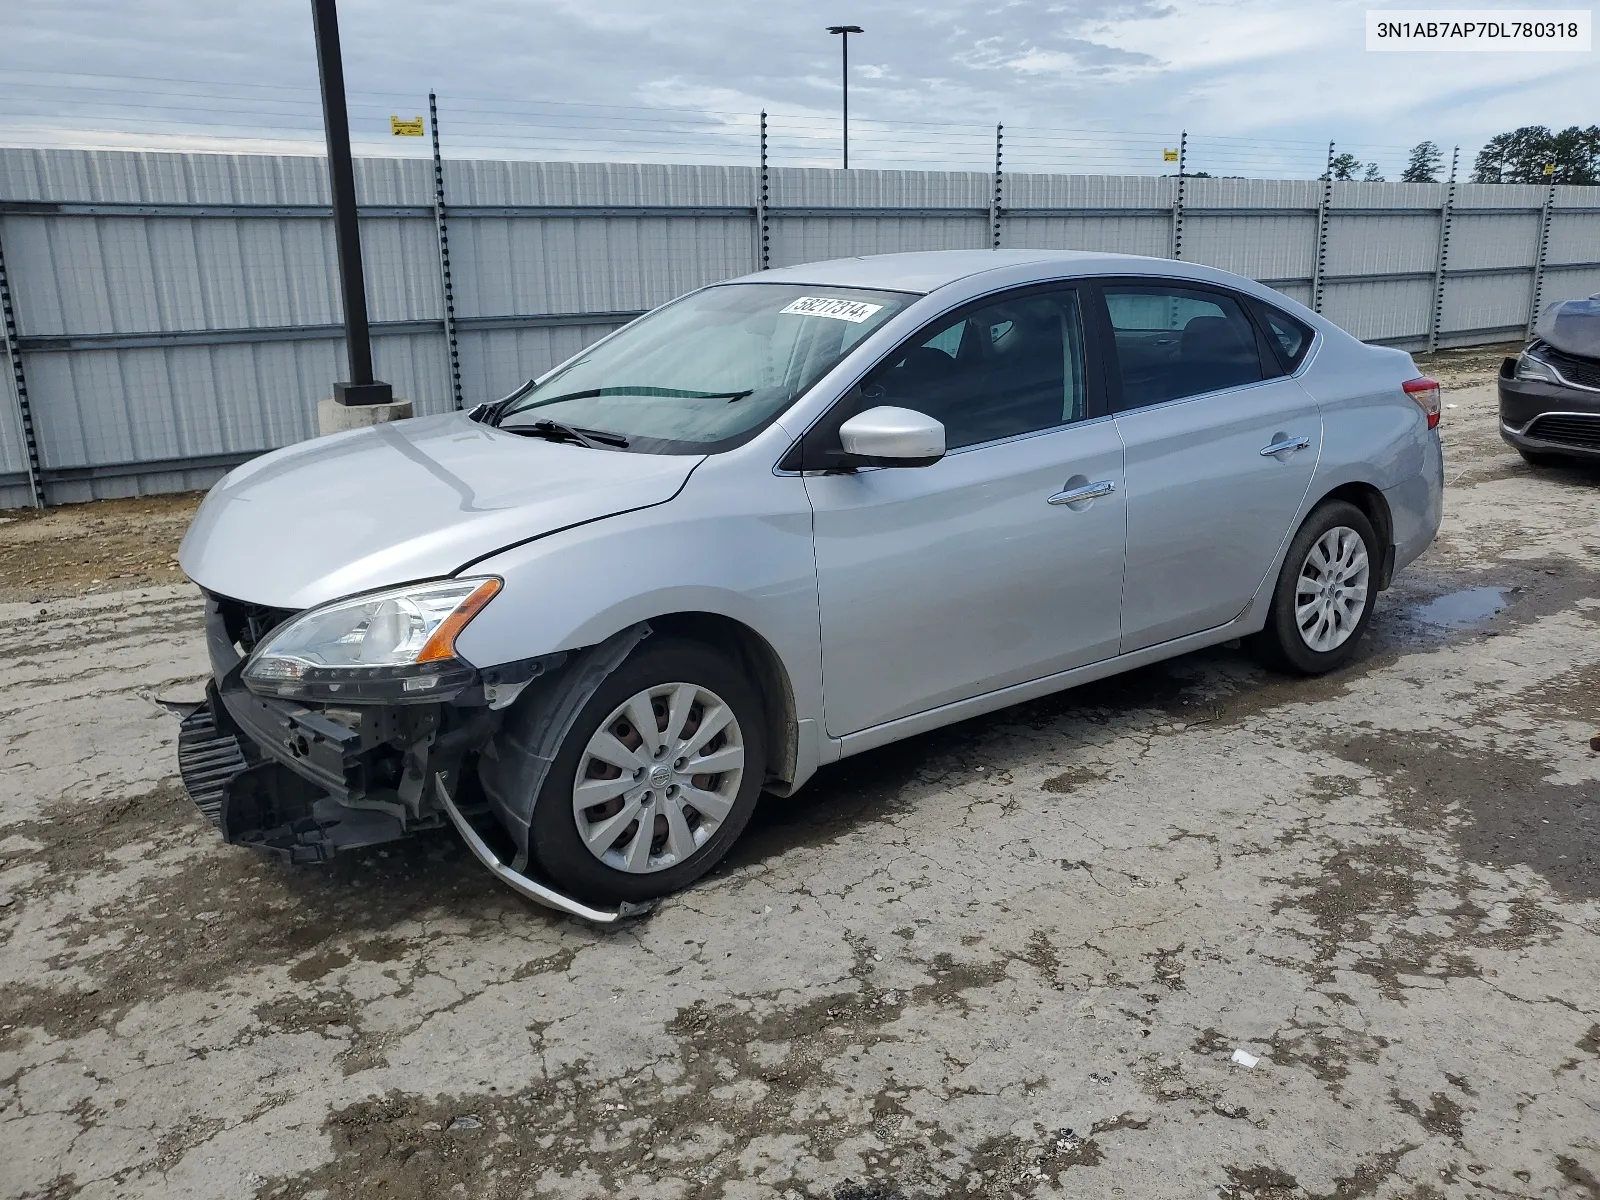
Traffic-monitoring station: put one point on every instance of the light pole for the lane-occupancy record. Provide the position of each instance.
(361, 388)
(844, 32)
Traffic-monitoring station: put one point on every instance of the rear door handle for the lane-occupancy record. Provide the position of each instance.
(1285, 446)
(1089, 491)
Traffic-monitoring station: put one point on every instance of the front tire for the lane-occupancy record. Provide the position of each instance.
(657, 778)
(1541, 458)
(1325, 593)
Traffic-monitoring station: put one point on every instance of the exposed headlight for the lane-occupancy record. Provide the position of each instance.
(398, 644)
(1532, 367)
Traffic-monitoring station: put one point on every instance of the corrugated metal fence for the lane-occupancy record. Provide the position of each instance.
(176, 313)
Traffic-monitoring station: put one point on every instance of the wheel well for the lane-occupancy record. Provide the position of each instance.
(1371, 502)
(765, 669)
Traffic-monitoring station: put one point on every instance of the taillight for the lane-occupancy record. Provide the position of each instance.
(1426, 393)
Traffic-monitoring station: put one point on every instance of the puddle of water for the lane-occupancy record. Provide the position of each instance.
(1470, 606)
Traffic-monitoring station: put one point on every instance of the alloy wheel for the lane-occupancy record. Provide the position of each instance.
(658, 778)
(1331, 592)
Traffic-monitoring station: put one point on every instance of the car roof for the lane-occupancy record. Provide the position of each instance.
(925, 271)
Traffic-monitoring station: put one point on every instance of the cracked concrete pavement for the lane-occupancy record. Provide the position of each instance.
(1011, 958)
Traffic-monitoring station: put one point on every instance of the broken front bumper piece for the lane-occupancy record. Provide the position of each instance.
(231, 756)
(264, 805)
(532, 888)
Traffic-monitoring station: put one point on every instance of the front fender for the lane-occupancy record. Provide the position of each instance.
(728, 544)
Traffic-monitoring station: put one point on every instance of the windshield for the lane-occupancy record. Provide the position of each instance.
(704, 373)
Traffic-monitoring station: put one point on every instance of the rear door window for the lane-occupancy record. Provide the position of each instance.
(1289, 337)
(1173, 341)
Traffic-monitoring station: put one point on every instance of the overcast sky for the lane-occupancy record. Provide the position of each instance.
(1260, 84)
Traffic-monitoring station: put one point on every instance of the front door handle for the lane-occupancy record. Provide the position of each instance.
(1286, 446)
(1089, 491)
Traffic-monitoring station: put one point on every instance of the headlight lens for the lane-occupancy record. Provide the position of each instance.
(1529, 367)
(381, 636)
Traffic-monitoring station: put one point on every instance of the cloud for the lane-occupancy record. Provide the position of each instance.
(1206, 35)
(630, 79)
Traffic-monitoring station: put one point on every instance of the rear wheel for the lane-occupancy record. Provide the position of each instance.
(657, 778)
(1325, 593)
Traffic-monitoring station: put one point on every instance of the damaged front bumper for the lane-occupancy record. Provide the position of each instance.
(303, 780)
(296, 782)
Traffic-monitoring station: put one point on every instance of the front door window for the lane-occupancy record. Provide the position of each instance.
(1005, 369)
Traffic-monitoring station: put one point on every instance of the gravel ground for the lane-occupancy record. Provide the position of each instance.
(108, 546)
(1013, 958)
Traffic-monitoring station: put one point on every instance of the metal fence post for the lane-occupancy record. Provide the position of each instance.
(24, 409)
(1539, 258)
(1319, 270)
(1445, 213)
(444, 255)
(763, 195)
(994, 202)
(1177, 204)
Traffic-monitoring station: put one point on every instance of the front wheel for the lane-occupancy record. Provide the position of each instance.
(1541, 458)
(656, 779)
(1325, 592)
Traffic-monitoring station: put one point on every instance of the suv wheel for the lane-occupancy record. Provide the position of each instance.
(1325, 593)
(657, 778)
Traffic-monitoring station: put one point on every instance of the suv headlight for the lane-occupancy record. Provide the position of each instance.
(392, 645)
(1532, 367)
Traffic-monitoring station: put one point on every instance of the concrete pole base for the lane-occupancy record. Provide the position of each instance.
(333, 417)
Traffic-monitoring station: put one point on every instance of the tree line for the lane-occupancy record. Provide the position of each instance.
(1531, 154)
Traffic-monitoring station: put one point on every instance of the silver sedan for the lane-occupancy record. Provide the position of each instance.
(776, 522)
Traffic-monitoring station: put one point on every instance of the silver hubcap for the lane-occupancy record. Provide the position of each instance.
(1331, 593)
(658, 778)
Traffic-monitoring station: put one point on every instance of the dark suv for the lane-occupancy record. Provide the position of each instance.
(1550, 393)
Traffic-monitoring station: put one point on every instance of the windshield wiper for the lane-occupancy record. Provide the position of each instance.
(489, 412)
(555, 431)
(668, 393)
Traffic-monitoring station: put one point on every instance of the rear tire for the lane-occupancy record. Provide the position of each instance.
(1325, 593)
(1541, 458)
(643, 837)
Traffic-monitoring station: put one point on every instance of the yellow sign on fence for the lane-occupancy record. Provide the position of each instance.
(1549, 168)
(1169, 155)
(403, 128)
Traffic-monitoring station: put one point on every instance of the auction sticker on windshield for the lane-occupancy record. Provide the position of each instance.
(839, 310)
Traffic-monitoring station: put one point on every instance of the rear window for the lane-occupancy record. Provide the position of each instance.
(1289, 337)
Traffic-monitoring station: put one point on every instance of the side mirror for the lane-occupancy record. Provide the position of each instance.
(892, 437)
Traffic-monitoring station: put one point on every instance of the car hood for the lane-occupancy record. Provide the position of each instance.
(403, 501)
(1573, 327)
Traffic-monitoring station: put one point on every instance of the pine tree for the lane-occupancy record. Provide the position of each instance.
(1425, 163)
(1521, 155)
(1373, 175)
(1344, 166)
